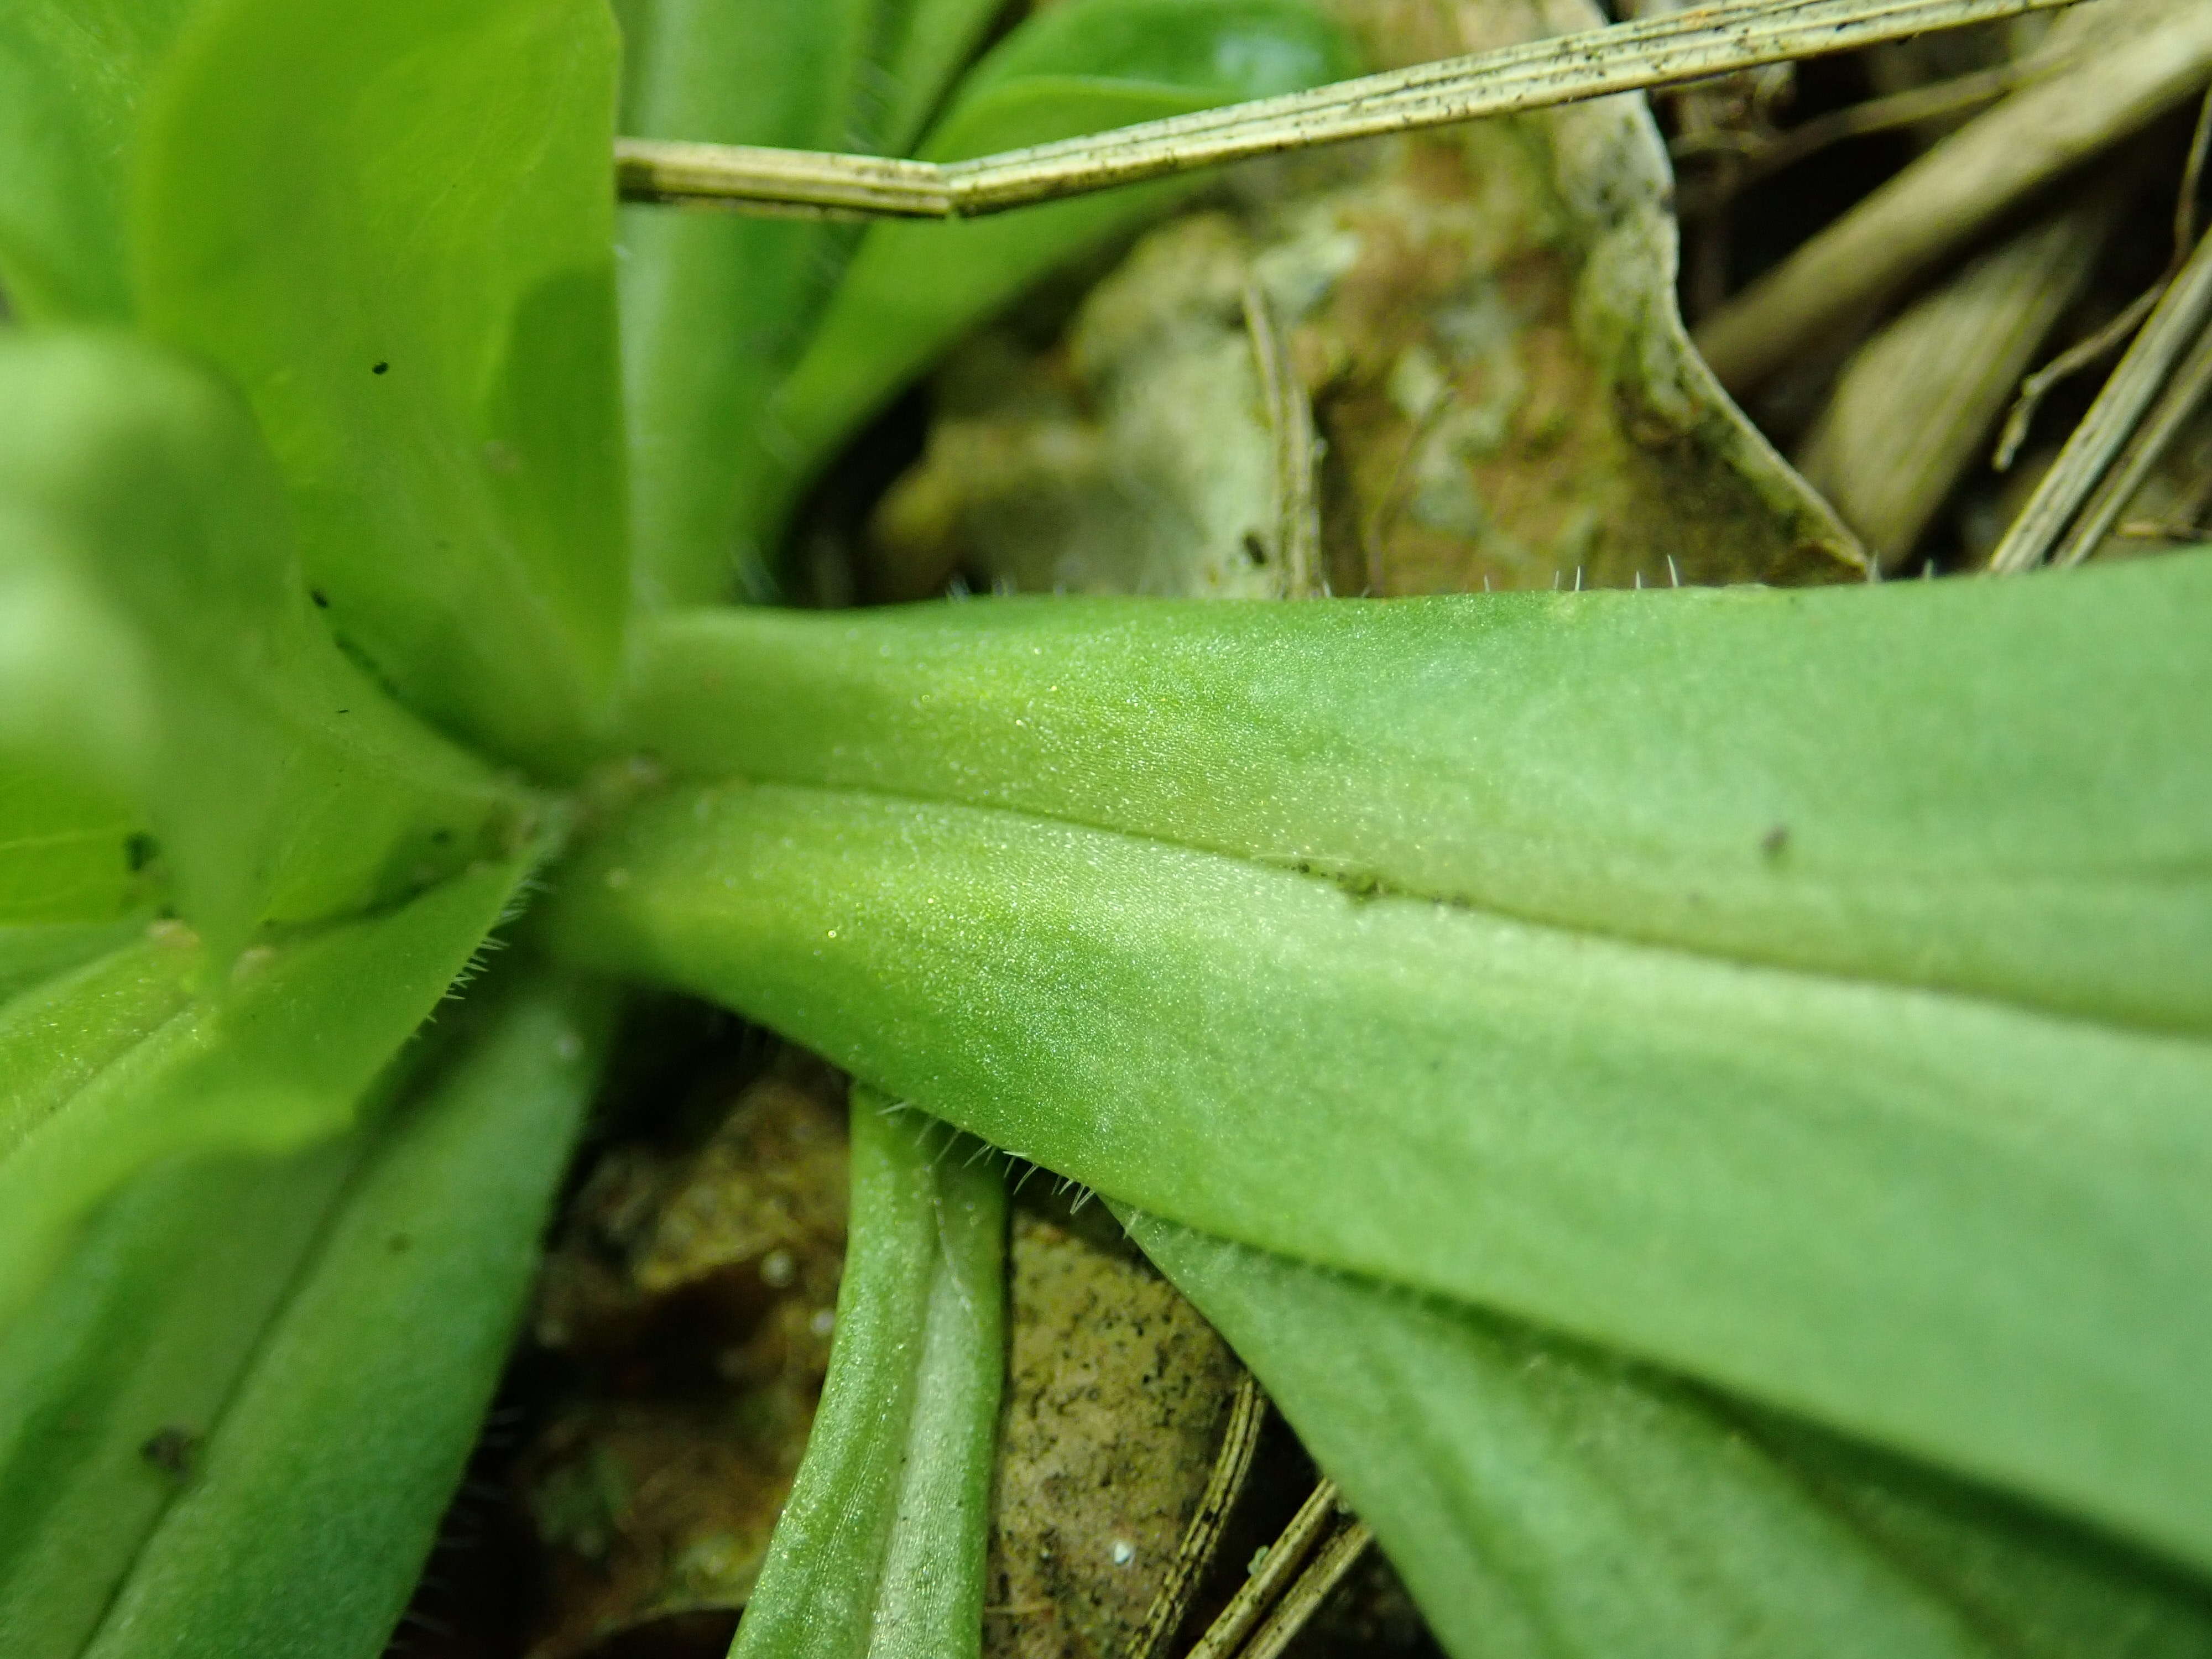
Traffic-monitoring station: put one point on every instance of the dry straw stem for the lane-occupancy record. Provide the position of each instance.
(1291, 426)
(2167, 343)
(1915, 405)
(1337, 1558)
(2133, 60)
(2116, 333)
(1657, 51)
(2183, 395)
(1754, 158)
(1271, 1578)
(1240, 1439)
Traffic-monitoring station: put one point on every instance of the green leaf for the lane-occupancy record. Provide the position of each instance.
(123, 1363)
(73, 73)
(934, 39)
(715, 307)
(319, 1492)
(391, 225)
(1849, 782)
(56, 1036)
(1081, 67)
(1543, 1499)
(272, 1061)
(162, 668)
(67, 846)
(1840, 1174)
(880, 1550)
(31, 953)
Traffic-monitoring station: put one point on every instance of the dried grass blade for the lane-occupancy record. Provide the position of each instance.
(1655, 52)
(2112, 422)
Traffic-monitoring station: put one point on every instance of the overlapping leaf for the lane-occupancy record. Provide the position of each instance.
(137, 1341)
(391, 226)
(1541, 1498)
(273, 1060)
(1851, 783)
(1895, 1192)
(165, 1162)
(320, 1491)
(162, 670)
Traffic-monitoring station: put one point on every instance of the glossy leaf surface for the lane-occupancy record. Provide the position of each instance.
(880, 1549)
(163, 669)
(1541, 1498)
(1963, 1227)
(913, 287)
(321, 1488)
(73, 76)
(391, 225)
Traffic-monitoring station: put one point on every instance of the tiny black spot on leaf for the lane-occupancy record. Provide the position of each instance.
(322, 600)
(172, 1451)
(380, 368)
(139, 850)
(1775, 842)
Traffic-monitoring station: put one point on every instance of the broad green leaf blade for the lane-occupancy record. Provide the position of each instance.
(272, 1061)
(1870, 783)
(123, 1363)
(391, 225)
(1544, 1499)
(1080, 67)
(715, 307)
(880, 1550)
(1974, 1232)
(162, 668)
(319, 1492)
(73, 73)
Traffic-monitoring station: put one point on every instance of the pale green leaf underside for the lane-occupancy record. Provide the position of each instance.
(879, 1554)
(1967, 1227)
(390, 225)
(2001, 789)
(1543, 1499)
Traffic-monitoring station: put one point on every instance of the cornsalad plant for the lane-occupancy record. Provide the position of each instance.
(1697, 1104)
